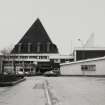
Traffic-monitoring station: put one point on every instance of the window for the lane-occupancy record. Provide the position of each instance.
(23, 57)
(88, 67)
(42, 57)
(38, 57)
(31, 57)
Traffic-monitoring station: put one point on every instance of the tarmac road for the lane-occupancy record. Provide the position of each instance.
(79, 90)
(58, 90)
(23, 93)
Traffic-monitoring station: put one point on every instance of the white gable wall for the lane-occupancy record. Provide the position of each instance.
(75, 68)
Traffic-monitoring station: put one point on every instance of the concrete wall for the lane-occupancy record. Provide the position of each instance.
(75, 68)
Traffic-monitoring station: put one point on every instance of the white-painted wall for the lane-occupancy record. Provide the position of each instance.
(75, 68)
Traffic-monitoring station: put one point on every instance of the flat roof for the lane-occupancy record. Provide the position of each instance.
(82, 61)
(89, 48)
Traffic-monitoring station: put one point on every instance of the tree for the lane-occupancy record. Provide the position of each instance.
(5, 56)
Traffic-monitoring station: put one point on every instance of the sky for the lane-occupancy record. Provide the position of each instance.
(65, 21)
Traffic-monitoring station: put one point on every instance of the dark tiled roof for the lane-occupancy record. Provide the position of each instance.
(36, 36)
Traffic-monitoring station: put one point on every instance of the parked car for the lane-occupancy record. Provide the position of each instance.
(50, 73)
(27, 73)
(19, 73)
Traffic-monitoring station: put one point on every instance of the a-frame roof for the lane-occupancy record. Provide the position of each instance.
(36, 33)
(38, 39)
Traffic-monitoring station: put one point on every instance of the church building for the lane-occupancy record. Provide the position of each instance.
(34, 49)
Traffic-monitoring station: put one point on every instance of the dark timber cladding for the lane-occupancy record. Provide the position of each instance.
(86, 54)
(36, 40)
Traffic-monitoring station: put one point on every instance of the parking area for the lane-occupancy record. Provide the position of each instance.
(62, 91)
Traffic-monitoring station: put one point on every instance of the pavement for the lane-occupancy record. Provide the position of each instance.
(55, 91)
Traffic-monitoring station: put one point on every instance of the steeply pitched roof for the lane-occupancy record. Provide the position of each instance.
(35, 35)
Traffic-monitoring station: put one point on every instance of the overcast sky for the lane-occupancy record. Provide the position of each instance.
(64, 20)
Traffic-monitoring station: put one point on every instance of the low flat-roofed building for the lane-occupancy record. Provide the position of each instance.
(88, 67)
(81, 53)
(66, 58)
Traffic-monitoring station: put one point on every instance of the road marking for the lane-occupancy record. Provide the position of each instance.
(47, 94)
(39, 85)
(51, 97)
